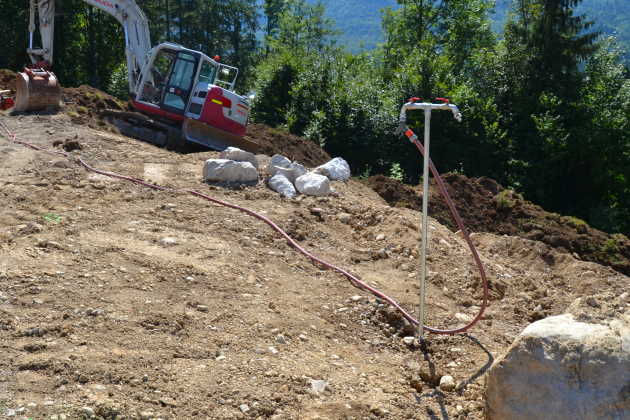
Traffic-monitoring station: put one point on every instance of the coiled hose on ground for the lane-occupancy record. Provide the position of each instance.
(12, 137)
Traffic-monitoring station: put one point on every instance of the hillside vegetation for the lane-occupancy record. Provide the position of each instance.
(359, 22)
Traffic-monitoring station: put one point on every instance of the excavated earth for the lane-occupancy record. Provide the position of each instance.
(485, 206)
(121, 302)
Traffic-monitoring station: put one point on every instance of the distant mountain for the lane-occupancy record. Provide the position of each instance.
(360, 20)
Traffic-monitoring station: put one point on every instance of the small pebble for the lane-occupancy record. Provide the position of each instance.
(447, 383)
(408, 340)
(168, 241)
(244, 408)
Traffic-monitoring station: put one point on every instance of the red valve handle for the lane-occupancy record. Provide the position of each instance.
(446, 101)
(414, 99)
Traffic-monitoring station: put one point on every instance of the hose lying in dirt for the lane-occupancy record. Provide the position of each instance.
(353, 279)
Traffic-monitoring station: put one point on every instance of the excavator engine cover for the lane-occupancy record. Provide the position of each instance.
(36, 89)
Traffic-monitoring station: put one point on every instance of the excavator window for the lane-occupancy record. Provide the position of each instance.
(180, 82)
(207, 73)
(153, 87)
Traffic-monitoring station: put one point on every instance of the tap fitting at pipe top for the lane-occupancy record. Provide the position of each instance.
(443, 105)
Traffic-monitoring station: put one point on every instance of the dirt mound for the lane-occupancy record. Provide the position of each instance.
(85, 104)
(486, 206)
(296, 148)
(7, 80)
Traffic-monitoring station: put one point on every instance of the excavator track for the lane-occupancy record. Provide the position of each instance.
(140, 126)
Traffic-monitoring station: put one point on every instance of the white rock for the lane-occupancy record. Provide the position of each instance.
(168, 241)
(244, 408)
(447, 383)
(408, 340)
(313, 184)
(238, 155)
(88, 411)
(279, 183)
(279, 160)
(336, 170)
(292, 172)
(223, 170)
(558, 365)
(318, 386)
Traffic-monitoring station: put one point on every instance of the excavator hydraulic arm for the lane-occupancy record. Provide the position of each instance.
(38, 88)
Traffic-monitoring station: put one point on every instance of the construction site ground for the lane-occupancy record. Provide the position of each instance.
(121, 302)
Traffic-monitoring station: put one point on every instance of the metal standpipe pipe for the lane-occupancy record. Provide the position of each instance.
(444, 105)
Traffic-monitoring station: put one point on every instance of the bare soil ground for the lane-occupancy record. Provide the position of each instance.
(486, 206)
(223, 320)
(98, 312)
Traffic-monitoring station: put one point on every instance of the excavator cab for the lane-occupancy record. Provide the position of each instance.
(187, 87)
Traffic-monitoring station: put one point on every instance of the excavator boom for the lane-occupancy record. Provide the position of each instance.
(187, 95)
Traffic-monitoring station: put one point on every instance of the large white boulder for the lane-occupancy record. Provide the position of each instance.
(281, 184)
(224, 170)
(336, 169)
(562, 369)
(313, 184)
(234, 153)
(292, 172)
(281, 161)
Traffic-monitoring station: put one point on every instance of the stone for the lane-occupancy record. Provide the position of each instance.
(281, 161)
(168, 241)
(244, 408)
(202, 308)
(575, 370)
(238, 155)
(313, 184)
(463, 317)
(318, 386)
(408, 340)
(146, 415)
(380, 237)
(229, 171)
(94, 312)
(336, 169)
(447, 383)
(293, 172)
(89, 412)
(281, 184)
(344, 218)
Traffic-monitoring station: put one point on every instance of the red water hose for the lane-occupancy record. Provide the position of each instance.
(353, 279)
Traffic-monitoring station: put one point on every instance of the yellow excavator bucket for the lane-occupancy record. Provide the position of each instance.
(36, 89)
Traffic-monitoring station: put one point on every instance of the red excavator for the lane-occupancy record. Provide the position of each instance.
(178, 95)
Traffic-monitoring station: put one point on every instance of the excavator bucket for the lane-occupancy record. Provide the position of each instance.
(215, 138)
(36, 89)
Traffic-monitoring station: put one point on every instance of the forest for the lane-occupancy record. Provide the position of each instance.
(546, 105)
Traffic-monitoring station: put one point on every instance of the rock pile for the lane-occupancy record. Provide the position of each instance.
(236, 166)
(288, 178)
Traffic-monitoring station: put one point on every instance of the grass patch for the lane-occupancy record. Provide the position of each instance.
(506, 199)
(575, 222)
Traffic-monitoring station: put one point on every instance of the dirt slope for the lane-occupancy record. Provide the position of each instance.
(224, 321)
(486, 206)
